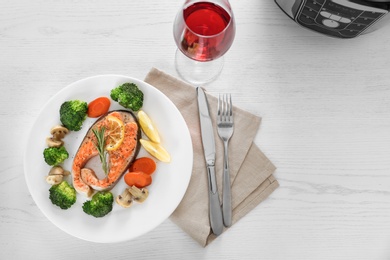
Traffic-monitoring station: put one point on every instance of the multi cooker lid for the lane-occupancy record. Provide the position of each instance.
(378, 3)
(386, 2)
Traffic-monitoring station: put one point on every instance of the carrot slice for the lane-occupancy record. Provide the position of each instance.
(143, 164)
(138, 179)
(98, 107)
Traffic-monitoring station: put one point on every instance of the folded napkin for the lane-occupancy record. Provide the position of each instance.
(250, 170)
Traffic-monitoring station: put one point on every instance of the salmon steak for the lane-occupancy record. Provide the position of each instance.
(85, 180)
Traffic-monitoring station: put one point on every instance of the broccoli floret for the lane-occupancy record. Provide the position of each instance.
(55, 155)
(100, 205)
(129, 96)
(63, 195)
(73, 113)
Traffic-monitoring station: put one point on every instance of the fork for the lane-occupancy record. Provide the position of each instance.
(225, 126)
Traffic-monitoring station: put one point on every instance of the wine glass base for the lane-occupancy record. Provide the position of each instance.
(197, 72)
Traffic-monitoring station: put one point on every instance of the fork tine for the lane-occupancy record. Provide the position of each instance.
(230, 109)
(219, 108)
(227, 117)
(225, 108)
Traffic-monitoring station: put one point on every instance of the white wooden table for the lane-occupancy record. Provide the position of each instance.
(326, 126)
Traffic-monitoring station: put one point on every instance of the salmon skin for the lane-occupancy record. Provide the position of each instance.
(85, 180)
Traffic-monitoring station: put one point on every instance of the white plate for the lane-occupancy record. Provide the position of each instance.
(170, 181)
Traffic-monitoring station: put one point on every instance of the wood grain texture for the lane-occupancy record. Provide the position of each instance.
(325, 114)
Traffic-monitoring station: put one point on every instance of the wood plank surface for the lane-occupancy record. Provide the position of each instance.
(325, 111)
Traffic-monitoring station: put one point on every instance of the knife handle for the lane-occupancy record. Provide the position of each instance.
(215, 211)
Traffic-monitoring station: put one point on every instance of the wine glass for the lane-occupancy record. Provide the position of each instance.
(204, 31)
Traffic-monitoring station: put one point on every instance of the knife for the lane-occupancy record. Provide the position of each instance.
(208, 142)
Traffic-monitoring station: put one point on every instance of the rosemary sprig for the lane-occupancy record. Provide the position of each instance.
(101, 147)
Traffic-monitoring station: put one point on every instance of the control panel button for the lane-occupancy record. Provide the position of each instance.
(335, 17)
(345, 20)
(330, 23)
(325, 14)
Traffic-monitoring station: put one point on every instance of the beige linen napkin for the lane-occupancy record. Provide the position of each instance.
(250, 170)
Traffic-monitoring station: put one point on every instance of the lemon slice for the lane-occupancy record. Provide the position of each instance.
(148, 127)
(156, 150)
(115, 130)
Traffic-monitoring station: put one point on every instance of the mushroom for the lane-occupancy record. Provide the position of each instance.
(56, 170)
(140, 195)
(54, 179)
(58, 132)
(52, 142)
(66, 173)
(125, 199)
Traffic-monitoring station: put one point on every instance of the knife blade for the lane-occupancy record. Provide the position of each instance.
(207, 133)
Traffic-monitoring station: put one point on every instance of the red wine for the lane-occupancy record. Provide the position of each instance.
(206, 18)
(209, 33)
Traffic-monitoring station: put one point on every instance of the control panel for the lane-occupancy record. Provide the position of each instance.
(338, 18)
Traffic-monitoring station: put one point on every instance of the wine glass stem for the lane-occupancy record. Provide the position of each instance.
(197, 72)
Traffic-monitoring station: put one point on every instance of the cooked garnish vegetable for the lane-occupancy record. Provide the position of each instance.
(73, 113)
(100, 205)
(101, 147)
(56, 175)
(125, 199)
(138, 179)
(98, 107)
(139, 195)
(55, 155)
(129, 96)
(51, 142)
(58, 132)
(54, 179)
(148, 127)
(131, 194)
(143, 164)
(58, 170)
(63, 195)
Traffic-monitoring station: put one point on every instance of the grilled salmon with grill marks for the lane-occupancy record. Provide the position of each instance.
(85, 180)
